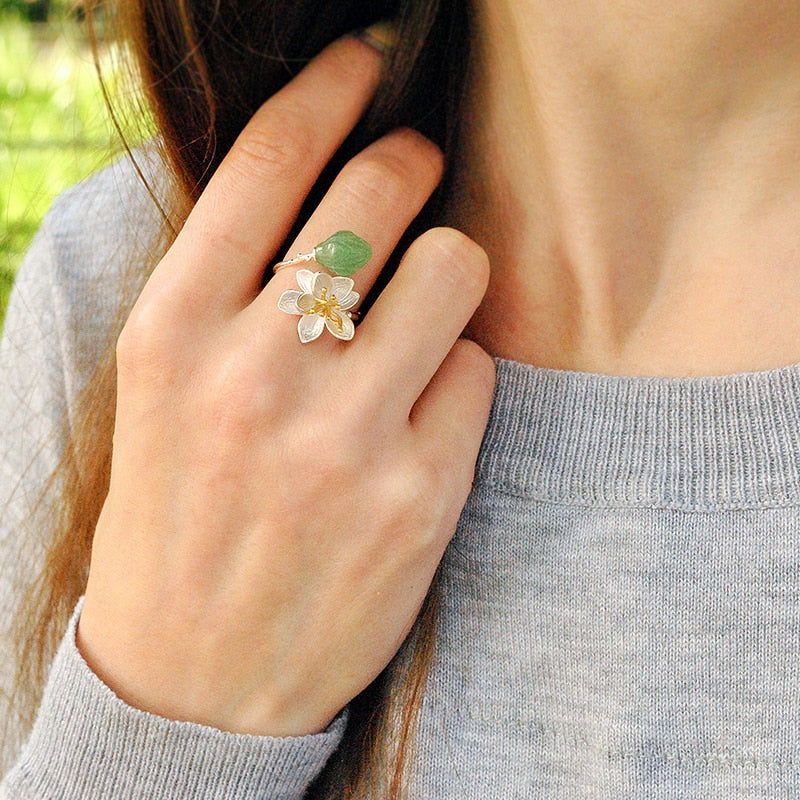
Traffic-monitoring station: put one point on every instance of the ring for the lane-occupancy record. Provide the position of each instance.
(343, 254)
(323, 300)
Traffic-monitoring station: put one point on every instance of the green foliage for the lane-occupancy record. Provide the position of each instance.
(38, 10)
(53, 129)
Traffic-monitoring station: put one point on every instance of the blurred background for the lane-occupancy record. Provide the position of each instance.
(54, 127)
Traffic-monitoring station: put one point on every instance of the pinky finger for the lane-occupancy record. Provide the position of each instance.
(450, 416)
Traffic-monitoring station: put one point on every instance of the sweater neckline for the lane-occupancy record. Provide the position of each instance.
(696, 444)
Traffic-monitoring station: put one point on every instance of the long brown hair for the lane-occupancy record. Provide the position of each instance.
(205, 66)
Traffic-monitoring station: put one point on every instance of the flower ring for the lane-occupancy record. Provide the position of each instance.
(324, 301)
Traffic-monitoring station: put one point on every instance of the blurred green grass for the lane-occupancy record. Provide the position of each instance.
(54, 129)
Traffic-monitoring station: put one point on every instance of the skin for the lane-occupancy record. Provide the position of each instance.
(632, 171)
(276, 510)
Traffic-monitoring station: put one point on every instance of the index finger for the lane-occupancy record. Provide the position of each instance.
(250, 204)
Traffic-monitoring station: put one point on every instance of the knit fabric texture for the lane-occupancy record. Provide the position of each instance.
(620, 603)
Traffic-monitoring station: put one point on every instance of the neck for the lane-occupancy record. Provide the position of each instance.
(633, 175)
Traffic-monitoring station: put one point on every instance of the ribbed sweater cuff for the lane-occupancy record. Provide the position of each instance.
(87, 743)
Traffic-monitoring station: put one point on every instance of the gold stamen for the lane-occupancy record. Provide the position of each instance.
(327, 308)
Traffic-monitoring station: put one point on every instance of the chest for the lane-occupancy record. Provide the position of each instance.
(615, 652)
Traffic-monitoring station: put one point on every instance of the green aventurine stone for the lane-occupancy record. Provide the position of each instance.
(343, 253)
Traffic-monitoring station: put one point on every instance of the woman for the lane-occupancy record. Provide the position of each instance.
(618, 610)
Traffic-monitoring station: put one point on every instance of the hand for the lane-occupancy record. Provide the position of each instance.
(277, 510)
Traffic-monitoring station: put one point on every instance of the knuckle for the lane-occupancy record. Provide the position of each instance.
(461, 261)
(446, 486)
(271, 150)
(379, 181)
(404, 500)
(395, 169)
(427, 483)
(144, 345)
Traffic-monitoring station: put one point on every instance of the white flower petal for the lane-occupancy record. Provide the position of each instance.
(288, 302)
(309, 327)
(349, 301)
(305, 279)
(305, 303)
(347, 330)
(342, 286)
(322, 282)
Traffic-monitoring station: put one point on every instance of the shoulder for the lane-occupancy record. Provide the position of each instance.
(83, 270)
(130, 184)
(97, 227)
(87, 263)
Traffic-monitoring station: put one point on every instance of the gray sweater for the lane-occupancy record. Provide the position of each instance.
(621, 601)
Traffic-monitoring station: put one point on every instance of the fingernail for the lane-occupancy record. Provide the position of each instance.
(382, 36)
